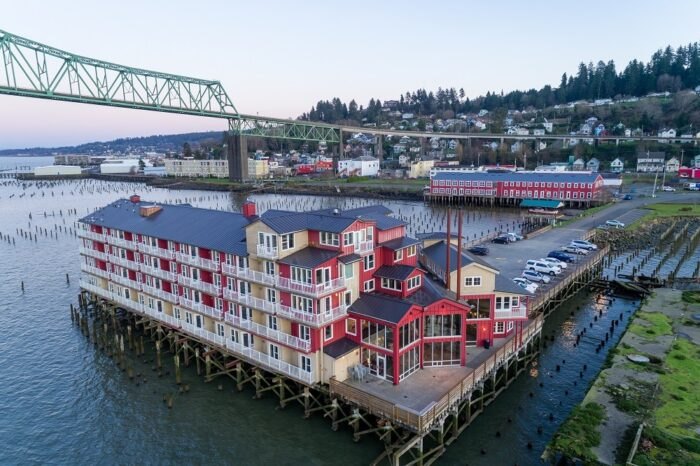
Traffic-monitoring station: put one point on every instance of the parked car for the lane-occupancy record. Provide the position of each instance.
(583, 244)
(526, 284)
(668, 189)
(615, 223)
(603, 226)
(535, 276)
(479, 250)
(627, 197)
(514, 236)
(542, 267)
(562, 256)
(555, 261)
(501, 239)
(574, 250)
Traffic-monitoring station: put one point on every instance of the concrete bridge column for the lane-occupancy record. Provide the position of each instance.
(237, 156)
(379, 147)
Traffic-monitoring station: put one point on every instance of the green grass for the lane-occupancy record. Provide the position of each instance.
(579, 433)
(691, 297)
(584, 214)
(679, 409)
(659, 448)
(657, 324)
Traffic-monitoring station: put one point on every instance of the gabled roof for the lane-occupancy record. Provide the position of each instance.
(399, 243)
(398, 272)
(180, 223)
(438, 254)
(309, 257)
(517, 176)
(289, 222)
(380, 307)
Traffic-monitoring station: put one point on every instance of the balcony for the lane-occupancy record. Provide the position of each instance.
(124, 243)
(364, 246)
(98, 290)
(309, 318)
(93, 253)
(312, 289)
(124, 281)
(268, 252)
(197, 261)
(255, 276)
(199, 285)
(512, 313)
(156, 251)
(267, 361)
(92, 235)
(268, 333)
(123, 262)
(251, 301)
(129, 303)
(204, 334)
(158, 293)
(94, 271)
(201, 308)
(160, 273)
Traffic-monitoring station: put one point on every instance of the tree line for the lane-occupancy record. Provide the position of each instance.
(668, 70)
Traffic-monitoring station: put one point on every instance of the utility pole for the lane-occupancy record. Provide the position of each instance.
(682, 151)
(653, 191)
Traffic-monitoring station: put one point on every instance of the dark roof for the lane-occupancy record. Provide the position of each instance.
(289, 222)
(545, 203)
(179, 223)
(350, 258)
(340, 347)
(399, 243)
(376, 213)
(381, 307)
(429, 292)
(516, 176)
(398, 272)
(437, 235)
(384, 222)
(309, 257)
(506, 285)
(437, 254)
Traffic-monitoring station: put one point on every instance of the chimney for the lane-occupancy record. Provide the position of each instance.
(148, 210)
(249, 209)
(135, 198)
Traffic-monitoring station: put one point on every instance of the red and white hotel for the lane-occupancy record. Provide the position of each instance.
(309, 295)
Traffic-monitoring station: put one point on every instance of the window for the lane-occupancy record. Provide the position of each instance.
(368, 286)
(449, 325)
(215, 256)
(412, 251)
(499, 327)
(269, 267)
(246, 313)
(391, 284)
(368, 262)
(351, 326)
(378, 335)
(348, 270)
(220, 329)
(349, 238)
(414, 282)
(409, 333)
(502, 303)
(188, 317)
(305, 363)
(472, 281)
(176, 313)
(328, 333)
(288, 241)
(370, 233)
(304, 332)
(274, 351)
(510, 325)
(348, 297)
(398, 255)
(302, 304)
(271, 295)
(272, 322)
(301, 275)
(329, 239)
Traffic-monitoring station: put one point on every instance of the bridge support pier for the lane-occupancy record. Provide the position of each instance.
(379, 148)
(237, 156)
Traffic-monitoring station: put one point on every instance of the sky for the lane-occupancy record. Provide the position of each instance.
(278, 58)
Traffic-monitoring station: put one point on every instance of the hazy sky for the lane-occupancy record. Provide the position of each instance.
(278, 58)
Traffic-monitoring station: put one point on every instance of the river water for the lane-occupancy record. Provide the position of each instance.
(63, 402)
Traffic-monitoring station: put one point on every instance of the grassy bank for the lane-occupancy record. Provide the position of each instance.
(667, 210)
(579, 433)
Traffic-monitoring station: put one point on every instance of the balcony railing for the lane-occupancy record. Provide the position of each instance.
(123, 262)
(93, 253)
(276, 364)
(312, 318)
(197, 261)
(124, 243)
(256, 276)
(156, 251)
(116, 278)
(313, 289)
(512, 313)
(268, 333)
(364, 246)
(201, 308)
(199, 285)
(160, 273)
(92, 235)
(251, 301)
(94, 271)
(268, 252)
(158, 293)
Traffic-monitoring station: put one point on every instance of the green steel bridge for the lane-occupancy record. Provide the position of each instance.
(32, 69)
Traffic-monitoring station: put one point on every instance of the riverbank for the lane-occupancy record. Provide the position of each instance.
(644, 407)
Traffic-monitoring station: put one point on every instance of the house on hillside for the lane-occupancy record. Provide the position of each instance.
(578, 165)
(617, 166)
(593, 165)
(672, 165)
(667, 133)
(650, 162)
(696, 161)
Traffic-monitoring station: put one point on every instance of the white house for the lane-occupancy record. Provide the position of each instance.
(538, 132)
(578, 165)
(650, 162)
(617, 166)
(667, 133)
(593, 165)
(480, 125)
(404, 160)
(361, 166)
(672, 165)
(696, 161)
(548, 126)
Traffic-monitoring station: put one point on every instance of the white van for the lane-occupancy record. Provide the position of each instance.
(542, 267)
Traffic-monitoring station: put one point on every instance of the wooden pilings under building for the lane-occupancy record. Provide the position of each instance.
(409, 436)
(494, 201)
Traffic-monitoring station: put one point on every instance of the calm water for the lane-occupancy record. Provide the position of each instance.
(63, 402)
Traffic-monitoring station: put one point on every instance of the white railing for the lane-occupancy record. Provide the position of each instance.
(197, 261)
(199, 285)
(123, 262)
(93, 253)
(364, 246)
(204, 334)
(158, 293)
(130, 303)
(251, 301)
(98, 290)
(267, 252)
(160, 273)
(512, 313)
(92, 235)
(201, 308)
(268, 333)
(124, 243)
(312, 318)
(94, 271)
(156, 251)
(256, 276)
(124, 281)
(313, 289)
(276, 364)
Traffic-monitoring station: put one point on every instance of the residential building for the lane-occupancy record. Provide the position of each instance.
(696, 161)
(617, 166)
(421, 168)
(361, 166)
(258, 168)
(192, 168)
(593, 165)
(306, 295)
(672, 165)
(650, 162)
(578, 165)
